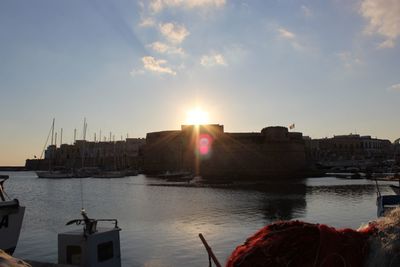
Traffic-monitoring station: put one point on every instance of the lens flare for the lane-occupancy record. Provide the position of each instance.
(204, 144)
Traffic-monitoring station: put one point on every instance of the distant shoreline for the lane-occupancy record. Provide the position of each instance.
(12, 168)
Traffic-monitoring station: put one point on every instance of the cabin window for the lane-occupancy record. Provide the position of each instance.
(105, 251)
(74, 254)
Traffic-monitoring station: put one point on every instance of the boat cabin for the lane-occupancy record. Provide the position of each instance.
(91, 247)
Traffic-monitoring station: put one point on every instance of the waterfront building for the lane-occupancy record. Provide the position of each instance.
(116, 155)
(208, 151)
(348, 150)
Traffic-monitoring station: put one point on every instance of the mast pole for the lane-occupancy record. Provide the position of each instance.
(52, 132)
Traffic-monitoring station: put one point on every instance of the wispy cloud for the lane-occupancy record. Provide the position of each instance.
(284, 33)
(348, 59)
(306, 11)
(165, 48)
(154, 65)
(147, 22)
(394, 88)
(212, 60)
(383, 18)
(173, 32)
(158, 5)
(289, 36)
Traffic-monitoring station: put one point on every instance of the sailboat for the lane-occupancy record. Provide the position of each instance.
(11, 216)
(115, 173)
(52, 174)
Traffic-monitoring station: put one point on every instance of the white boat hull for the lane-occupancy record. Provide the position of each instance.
(11, 216)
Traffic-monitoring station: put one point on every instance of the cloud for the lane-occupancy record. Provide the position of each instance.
(212, 60)
(166, 49)
(306, 11)
(291, 37)
(394, 88)
(349, 60)
(173, 32)
(284, 33)
(383, 19)
(135, 72)
(147, 22)
(155, 65)
(158, 5)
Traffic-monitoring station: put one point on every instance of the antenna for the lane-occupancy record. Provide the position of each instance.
(61, 136)
(74, 135)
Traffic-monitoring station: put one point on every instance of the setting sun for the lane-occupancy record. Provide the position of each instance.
(196, 116)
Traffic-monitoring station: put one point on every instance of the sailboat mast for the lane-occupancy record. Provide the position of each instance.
(83, 144)
(51, 149)
(52, 132)
(84, 129)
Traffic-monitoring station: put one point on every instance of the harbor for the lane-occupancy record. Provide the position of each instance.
(160, 224)
(163, 133)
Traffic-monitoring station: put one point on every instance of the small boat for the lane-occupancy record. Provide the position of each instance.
(110, 174)
(174, 175)
(54, 174)
(11, 216)
(385, 203)
(395, 189)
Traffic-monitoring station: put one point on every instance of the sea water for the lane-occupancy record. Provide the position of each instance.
(160, 223)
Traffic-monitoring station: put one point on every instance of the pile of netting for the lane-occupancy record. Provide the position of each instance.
(296, 243)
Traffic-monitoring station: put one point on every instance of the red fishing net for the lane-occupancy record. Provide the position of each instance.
(295, 243)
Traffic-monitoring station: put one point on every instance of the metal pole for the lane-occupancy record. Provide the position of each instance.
(209, 251)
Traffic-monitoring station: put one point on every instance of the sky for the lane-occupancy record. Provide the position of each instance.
(132, 67)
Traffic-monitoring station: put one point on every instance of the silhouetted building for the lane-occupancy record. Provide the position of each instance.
(348, 149)
(116, 155)
(210, 152)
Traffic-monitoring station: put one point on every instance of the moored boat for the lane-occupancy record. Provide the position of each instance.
(54, 174)
(11, 216)
(395, 189)
(385, 203)
(110, 174)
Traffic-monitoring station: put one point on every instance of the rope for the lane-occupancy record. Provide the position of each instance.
(81, 187)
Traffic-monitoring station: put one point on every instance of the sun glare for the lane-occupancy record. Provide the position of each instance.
(196, 116)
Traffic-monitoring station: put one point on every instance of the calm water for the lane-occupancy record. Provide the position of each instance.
(160, 224)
